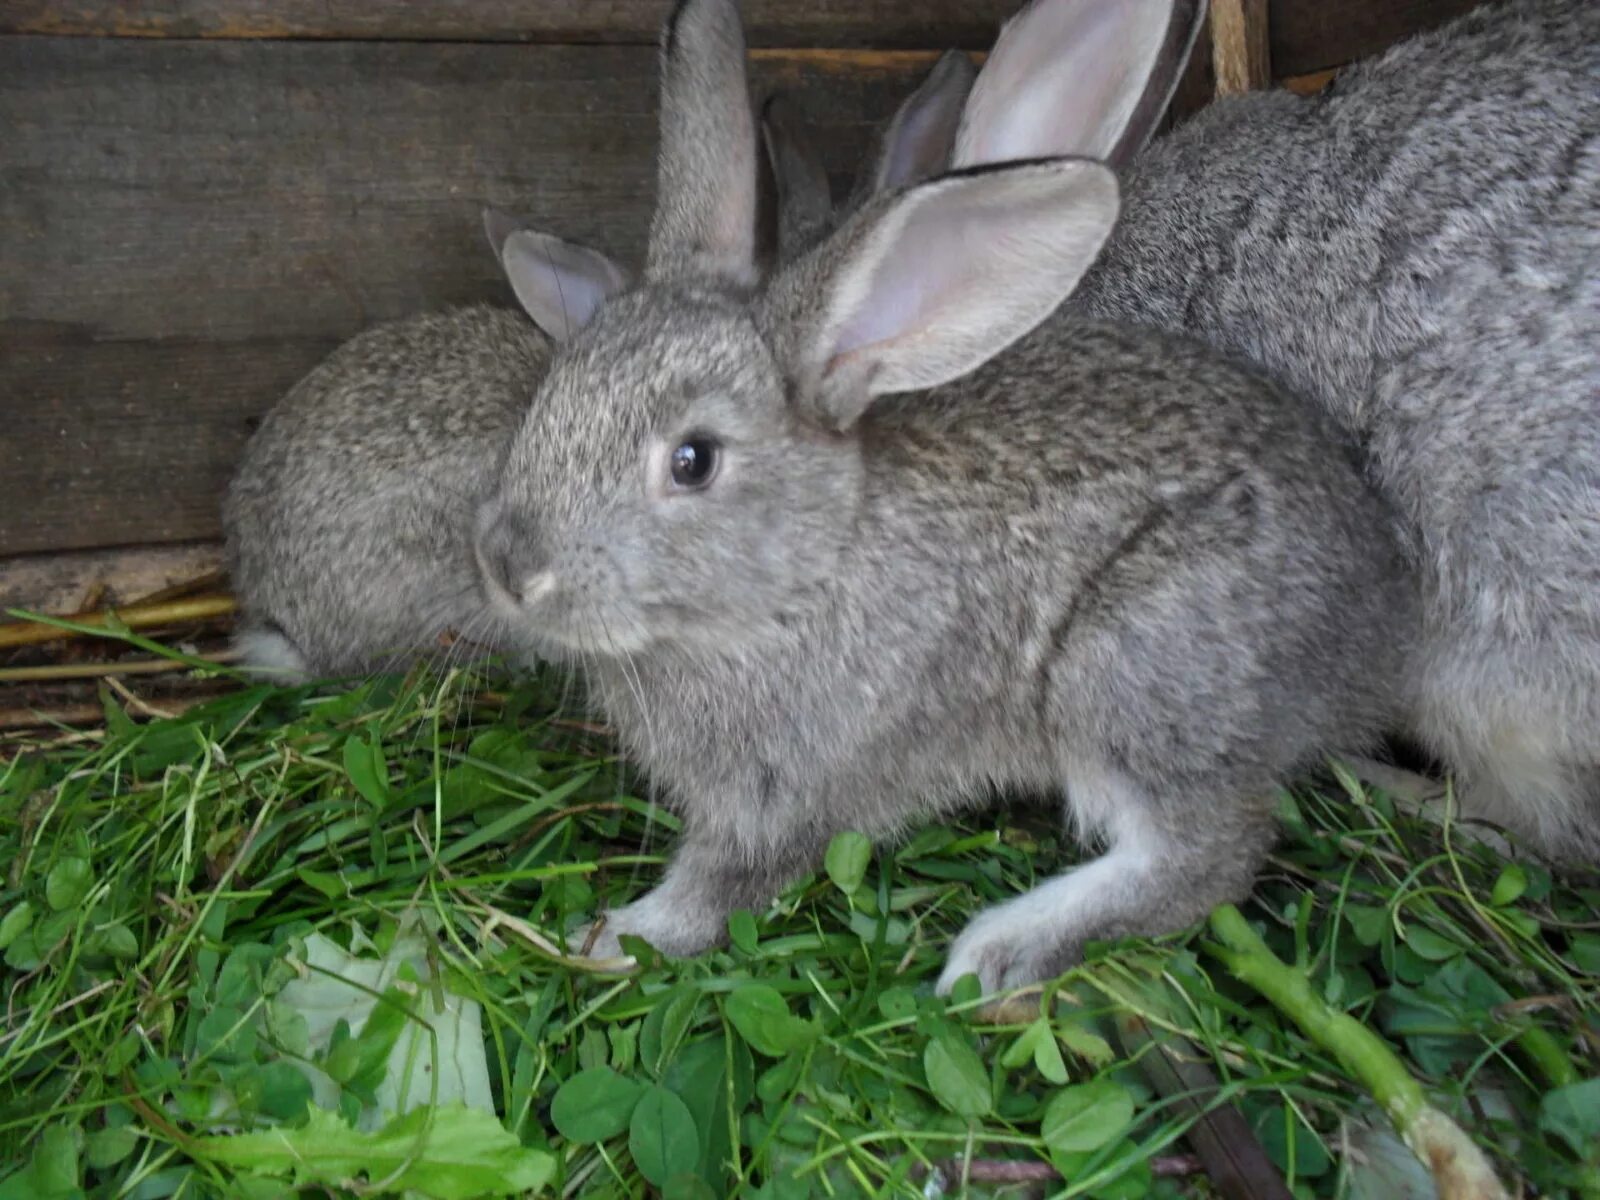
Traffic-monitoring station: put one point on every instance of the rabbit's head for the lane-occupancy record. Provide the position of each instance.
(696, 457)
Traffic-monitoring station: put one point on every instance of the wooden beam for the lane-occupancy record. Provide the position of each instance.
(1239, 47)
(880, 23)
(1307, 35)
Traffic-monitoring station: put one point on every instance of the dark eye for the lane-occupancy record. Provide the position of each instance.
(694, 462)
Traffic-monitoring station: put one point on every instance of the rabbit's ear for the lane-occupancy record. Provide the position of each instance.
(804, 196)
(1078, 77)
(921, 288)
(920, 138)
(498, 225)
(560, 284)
(706, 179)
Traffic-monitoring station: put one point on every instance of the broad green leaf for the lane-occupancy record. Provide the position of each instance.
(452, 1153)
(364, 762)
(55, 1160)
(117, 941)
(15, 922)
(662, 1137)
(1430, 945)
(68, 883)
(664, 1029)
(763, 1019)
(847, 859)
(957, 1077)
(594, 1105)
(687, 1187)
(1572, 1114)
(226, 1034)
(1366, 922)
(742, 931)
(1085, 1044)
(107, 1147)
(1509, 886)
(897, 1003)
(1037, 1044)
(1585, 951)
(1086, 1116)
(284, 1092)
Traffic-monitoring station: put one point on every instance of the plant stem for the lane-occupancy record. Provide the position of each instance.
(1460, 1169)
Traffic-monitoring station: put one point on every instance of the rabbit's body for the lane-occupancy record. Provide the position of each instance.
(350, 519)
(888, 530)
(1106, 561)
(1418, 250)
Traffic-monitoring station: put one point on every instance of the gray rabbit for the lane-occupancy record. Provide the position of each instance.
(1417, 250)
(349, 518)
(887, 532)
(349, 521)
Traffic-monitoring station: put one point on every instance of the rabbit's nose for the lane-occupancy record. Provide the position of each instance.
(513, 562)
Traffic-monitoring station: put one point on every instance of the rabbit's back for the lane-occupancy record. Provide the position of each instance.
(1329, 238)
(349, 521)
(1419, 250)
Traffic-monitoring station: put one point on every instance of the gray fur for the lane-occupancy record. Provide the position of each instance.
(1106, 562)
(349, 520)
(1418, 250)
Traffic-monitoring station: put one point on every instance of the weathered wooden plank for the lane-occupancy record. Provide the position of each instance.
(1308, 35)
(881, 23)
(187, 226)
(1313, 35)
(86, 579)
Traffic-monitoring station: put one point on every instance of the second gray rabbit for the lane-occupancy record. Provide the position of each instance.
(1417, 250)
(884, 534)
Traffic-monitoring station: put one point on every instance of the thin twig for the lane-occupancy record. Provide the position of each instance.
(136, 616)
(55, 672)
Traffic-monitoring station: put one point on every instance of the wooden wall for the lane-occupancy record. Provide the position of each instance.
(200, 198)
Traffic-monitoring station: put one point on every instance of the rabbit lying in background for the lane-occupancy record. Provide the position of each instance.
(349, 521)
(865, 541)
(1417, 250)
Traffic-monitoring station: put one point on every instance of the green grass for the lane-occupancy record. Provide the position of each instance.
(160, 881)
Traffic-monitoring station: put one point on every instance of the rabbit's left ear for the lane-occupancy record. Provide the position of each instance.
(1087, 78)
(921, 288)
(560, 284)
(706, 177)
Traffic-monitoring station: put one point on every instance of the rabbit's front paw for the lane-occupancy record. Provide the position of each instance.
(1006, 947)
(675, 929)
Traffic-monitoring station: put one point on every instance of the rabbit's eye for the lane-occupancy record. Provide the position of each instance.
(694, 462)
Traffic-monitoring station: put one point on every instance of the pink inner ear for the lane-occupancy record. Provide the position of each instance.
(1064, 79)
(931, 262)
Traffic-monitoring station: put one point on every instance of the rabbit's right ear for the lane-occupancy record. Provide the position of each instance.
(560, 284)
(921, 288)
(1085, 78)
